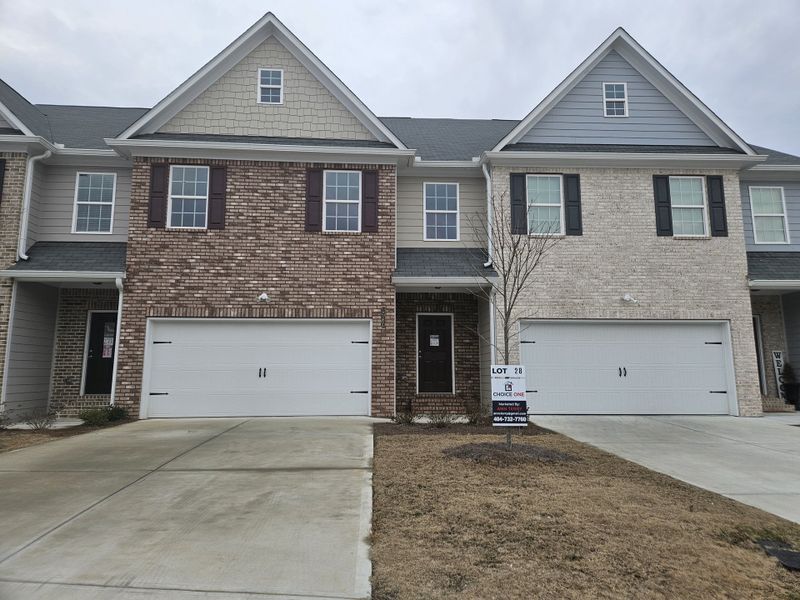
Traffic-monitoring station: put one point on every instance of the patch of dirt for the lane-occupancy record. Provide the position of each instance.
(496, 453)
(460, 428)
(14, 439)
(595, 527)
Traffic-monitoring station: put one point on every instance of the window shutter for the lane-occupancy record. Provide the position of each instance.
(369, 201)
(716, 206)
(314, 200)
(217, 188)
(663, 205)
(519, 212)
(572, 205)
(2, 177)
(159, 182)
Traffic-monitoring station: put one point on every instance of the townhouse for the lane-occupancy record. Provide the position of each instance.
(260, 243)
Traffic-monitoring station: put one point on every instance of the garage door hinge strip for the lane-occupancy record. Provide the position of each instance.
(162, 342)
(714, 343)
(159, 394)
(359, 391)
(718, 391)
(358, 342)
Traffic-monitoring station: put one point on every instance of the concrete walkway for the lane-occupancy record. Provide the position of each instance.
(203, 508)
(755, 461)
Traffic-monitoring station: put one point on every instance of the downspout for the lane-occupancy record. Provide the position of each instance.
(488, 263)
(26, 204)
(118, 283)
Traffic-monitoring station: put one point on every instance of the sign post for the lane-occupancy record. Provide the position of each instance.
(509, 403)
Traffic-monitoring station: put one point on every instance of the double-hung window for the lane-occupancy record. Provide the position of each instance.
(615, 99)
(768, 206)
(545, 204)
(188, 197)
(688, 199)
(441, 211)
(342, 201)
(94, 202)
(270, 86)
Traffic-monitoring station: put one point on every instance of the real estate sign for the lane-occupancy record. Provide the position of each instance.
(777, 362)
(509, 403)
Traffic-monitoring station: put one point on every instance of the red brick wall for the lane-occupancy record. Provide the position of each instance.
(467, 362)
(264, 247)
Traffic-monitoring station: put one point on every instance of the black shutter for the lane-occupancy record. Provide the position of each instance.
(519, 212)
(159, 182)
(217, 188)
(716, 206)
(663, 205)
(572, 205)
(2, 177)
(314, 200)
(369, 201)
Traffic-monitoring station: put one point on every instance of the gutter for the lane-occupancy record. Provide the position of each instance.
(34, 275)
(774, 284)
(26, 204)
(621, 159)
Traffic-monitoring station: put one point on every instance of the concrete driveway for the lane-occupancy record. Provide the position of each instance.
(755, 461)
(200, 508)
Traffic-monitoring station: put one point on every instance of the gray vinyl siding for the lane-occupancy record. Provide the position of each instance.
(410, 220)
(791, 193)
(54, 208)
(579, 117)
(5, 124)
(30, 349)
(791, 320)
(37, 186)
(485, 350)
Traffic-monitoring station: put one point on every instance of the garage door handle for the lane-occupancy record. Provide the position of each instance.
(620, 371)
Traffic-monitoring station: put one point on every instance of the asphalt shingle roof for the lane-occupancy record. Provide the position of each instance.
(775, 157)
(255, 139)
(442, 262)
(87, 126)
(26, 112)
(100, 257)
(773, 265)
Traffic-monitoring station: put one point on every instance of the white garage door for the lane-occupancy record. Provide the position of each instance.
(632, 367)
(199, 368)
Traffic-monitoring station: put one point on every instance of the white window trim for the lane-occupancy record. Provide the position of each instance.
(753, 215)
(75, 204)
(272, 87)
(452, 350)
(563, 225)
(706, 225)
(325, 200)
(624, 99)
(425, 212)
(169, 198)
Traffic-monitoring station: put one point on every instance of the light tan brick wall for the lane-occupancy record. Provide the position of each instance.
(773, 337)
(10, 207)
(619, 252)
(230, 106)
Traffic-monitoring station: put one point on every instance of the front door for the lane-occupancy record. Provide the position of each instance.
(435, 353)
(100, 353)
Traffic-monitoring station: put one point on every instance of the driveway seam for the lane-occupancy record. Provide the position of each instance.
(112, 494)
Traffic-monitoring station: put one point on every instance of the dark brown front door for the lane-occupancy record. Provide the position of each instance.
(435, 353)
(100, 354)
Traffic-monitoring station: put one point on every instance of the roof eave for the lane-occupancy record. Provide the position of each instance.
(33, 274)
(620, 159)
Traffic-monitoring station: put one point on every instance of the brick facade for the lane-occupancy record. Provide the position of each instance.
(773, 337)
(585, 277)
(464, 308)
(68, 353)
(10, 209)
(264, 247)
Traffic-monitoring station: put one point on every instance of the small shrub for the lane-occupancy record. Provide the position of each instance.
(477, 415)
(41, 419)
(440, 420)
(405, 417)
(94, 417)
(117, 413)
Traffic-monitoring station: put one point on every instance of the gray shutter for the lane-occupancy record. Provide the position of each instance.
(716, 206)
(369, 201)
(572, 205)
(159, 181)
(217, 189)
(519, 212)
(314, 200)
(663, 205)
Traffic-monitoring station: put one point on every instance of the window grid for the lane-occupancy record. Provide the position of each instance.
(342, 201)
(94, 202)
(188, 197)
(441, 212)
(768, 208)
(615, 99)
(545, 201)
(270, 86)
(688, 201)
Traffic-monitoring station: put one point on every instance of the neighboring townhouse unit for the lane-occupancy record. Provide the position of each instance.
(260, 243)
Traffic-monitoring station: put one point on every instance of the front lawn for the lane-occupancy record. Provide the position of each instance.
(568, 522)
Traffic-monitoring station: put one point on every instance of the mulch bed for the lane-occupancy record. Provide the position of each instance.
(14, 439)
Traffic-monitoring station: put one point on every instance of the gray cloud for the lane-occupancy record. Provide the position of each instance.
(454, 58)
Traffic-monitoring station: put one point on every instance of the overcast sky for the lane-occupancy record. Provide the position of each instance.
(458, 58)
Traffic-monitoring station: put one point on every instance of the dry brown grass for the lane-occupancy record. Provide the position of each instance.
(595, 527)
(14, 439)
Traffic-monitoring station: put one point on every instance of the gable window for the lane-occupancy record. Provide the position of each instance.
(441, 211)
(615, 99)
(688, 199)
(342, 201)
(94, 202)
(768, 206)
(545, 204)
(188, 197)
(270, 86)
